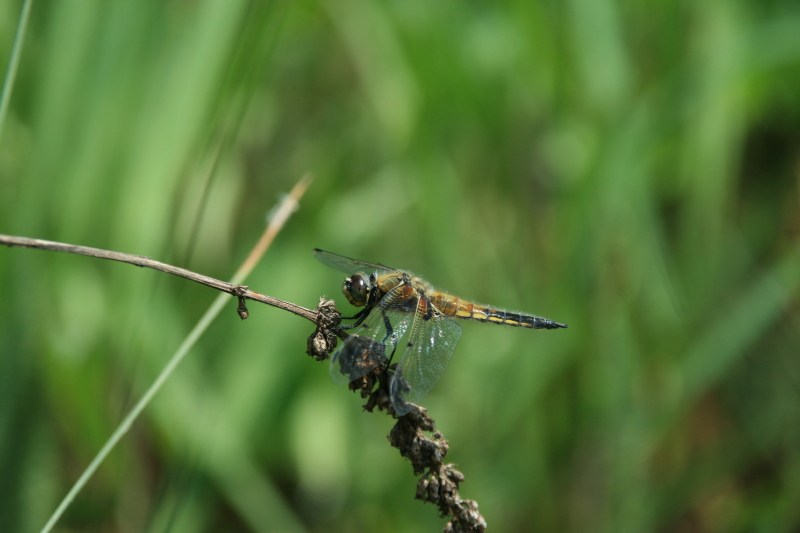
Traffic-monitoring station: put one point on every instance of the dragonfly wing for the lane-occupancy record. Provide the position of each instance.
(374, 340)
(347, 265)
(430, 346)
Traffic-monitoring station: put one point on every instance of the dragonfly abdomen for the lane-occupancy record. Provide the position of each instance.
(456, 307)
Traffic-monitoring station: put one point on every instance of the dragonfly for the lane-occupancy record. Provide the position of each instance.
(394, 301)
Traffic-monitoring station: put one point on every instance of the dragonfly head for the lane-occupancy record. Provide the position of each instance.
(356, 290)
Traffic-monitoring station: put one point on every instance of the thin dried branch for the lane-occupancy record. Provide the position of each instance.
(240, 291)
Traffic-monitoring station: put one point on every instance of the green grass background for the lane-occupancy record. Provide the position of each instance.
(628, 167)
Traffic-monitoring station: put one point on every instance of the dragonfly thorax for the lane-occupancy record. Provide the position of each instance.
(356, 290)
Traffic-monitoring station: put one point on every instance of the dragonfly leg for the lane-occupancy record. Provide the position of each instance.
(389, 334)
(358, 317)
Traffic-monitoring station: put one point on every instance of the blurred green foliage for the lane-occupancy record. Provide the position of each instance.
(630, 168)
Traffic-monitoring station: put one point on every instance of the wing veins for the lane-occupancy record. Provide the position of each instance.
(430, 346)
(346, 264)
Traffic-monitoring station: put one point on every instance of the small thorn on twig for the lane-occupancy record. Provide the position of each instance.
(242, 308)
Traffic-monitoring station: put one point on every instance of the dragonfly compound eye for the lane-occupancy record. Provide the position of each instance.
(355, 290)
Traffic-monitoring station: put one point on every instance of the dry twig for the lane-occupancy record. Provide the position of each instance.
(240, 291)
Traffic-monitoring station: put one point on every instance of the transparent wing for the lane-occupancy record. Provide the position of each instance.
(347, 265)
(430, 345)
(375, 339)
